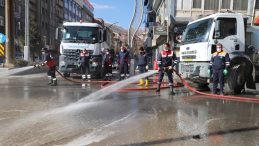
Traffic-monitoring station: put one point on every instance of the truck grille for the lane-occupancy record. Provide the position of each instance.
(187, 68)
(71, 55)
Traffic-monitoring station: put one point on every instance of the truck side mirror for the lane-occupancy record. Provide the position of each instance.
(217, 29)
(100, 36)
(58, 33)
(104, 35)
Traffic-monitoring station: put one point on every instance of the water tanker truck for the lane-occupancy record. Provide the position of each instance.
(76, 36)
(239, 40)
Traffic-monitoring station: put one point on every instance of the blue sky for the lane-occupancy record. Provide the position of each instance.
(114, 11)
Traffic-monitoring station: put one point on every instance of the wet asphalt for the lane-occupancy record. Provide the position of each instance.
(33, 113)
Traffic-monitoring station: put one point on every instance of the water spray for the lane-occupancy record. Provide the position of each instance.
(14, 71)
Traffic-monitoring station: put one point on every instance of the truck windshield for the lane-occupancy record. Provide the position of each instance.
(80, 34)
(197, 32)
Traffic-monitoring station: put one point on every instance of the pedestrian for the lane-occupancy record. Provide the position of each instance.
(142, 65)
(51, 63)
(84, 63)
(219, 64)
(166, 61)
(123, 62)
(107, 65)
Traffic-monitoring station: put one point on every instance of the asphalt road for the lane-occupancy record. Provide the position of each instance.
(33, 113)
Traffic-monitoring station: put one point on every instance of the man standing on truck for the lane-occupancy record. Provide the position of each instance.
(218, 65)
(51, 63)
(84, 63)
(107, 65)
(166, 61)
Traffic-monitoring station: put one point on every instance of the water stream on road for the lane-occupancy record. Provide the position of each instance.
(32, 120)
(14, 71)
(105, 91)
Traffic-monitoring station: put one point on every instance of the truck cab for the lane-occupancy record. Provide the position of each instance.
(76, 36)
(199, 42)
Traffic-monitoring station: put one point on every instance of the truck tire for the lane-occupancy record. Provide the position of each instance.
(236, 79)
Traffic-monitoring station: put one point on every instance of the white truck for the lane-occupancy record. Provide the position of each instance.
(238, 38)
(76, 36)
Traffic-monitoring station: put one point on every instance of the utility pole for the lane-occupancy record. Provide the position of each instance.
(27, 28)
(10, 61)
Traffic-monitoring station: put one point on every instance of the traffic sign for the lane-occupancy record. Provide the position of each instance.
(1, 50)
(2, 38)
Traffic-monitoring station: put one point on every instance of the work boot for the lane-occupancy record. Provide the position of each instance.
(158, 88)
(50, 81)
(105, 78)
(122, 77)
(172, 90)
(146, 82)
(55, 83)
(141, 82)
(83, 77)
(222, 93)
(110, 77)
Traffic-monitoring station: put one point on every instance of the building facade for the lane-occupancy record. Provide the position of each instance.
(87, 11)
(76, 10)
(72, 10)
(45, 16)
(2, 14)
(167, 19)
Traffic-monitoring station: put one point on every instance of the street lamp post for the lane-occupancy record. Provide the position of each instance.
(9, 33)
(27, 38)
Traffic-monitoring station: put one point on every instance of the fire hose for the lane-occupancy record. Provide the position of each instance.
(208, 95)
(104, 83)
(215, 96)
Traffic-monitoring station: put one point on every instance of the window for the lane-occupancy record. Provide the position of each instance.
(257, 4)
(2, 3)
(198, 31)
(1, 21)
(228, 27)
(211, 4)
(66, 3)
(240, 5)
(225, 4)
(196, 4)
(81, 33)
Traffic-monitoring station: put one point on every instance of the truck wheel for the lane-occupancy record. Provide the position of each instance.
(236, 79)
(66, 75)
(203, 87)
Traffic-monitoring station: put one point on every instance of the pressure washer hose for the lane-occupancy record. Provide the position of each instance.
(215, 96)
(208, 95)
(104, 82)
